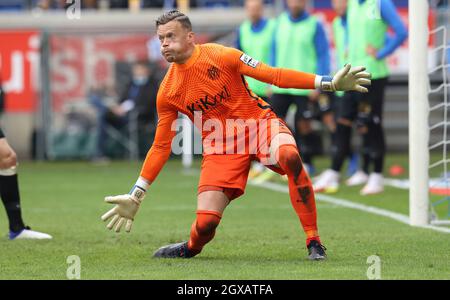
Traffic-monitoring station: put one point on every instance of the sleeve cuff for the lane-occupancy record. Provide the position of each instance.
(142, 183)
(325, 84)
(318, 81)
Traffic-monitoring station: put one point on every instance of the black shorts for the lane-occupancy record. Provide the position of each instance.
(358, 106)
(281, 102)
(2, 135)
(323, 105)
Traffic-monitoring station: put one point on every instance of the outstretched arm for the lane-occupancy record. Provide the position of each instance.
(346, 79)
(128, 204)
(159, 153)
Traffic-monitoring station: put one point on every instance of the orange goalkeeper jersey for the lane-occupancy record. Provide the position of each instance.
(212, 83)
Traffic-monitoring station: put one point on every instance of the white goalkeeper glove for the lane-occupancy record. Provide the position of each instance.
(347, 79)
(125, 209)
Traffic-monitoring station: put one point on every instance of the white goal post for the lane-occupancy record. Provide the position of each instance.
(418, 113)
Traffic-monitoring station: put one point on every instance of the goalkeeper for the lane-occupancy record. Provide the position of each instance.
(208, 80)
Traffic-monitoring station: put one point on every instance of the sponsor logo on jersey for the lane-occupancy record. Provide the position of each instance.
(249, 61)
(208, 101)
(213, 73)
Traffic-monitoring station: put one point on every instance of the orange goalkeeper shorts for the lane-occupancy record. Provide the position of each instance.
(229, 172)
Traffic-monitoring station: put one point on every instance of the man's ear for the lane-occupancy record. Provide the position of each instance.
(191, 36)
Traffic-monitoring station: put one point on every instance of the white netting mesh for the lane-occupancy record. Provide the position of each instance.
(438, 95)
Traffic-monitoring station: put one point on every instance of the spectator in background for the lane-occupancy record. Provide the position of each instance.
(367, 24)
(118, 4)
(156, 58)
(136, 104)
(340, 32)
(14, 5)
(215, 3)
(166, 4)
(341, 106)
(9, 188)
(341, 50)
(442, 3)
(254, 37)
(300, 43)
(50, 4)
(10, 196)
(123, 4)
(44, 4)
(89, 4)
(153, 3)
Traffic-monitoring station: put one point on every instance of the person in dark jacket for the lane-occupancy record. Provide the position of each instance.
(136, 107)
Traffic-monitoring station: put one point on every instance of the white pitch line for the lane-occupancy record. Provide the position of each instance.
(404, 183)
(349, 204)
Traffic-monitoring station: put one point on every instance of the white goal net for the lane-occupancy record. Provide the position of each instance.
(438, 97)
(429, 124)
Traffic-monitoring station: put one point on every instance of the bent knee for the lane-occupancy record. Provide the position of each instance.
(8, 160)
(278, 142)
(290, 159)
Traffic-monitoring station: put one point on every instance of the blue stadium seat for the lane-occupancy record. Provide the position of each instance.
(214, 3)
(13, 5)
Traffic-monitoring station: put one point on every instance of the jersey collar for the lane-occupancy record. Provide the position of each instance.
(304, 15)
(191, 60)
(259, 26)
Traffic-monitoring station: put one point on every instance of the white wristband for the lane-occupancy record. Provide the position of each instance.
(137, 193)
(326, 84)
(142, 183)
(318, 81)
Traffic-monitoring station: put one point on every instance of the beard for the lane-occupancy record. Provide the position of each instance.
(170, 59)
(176, 55)
(170, 56)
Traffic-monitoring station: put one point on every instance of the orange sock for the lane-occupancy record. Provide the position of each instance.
(203, 230)
(300, 190)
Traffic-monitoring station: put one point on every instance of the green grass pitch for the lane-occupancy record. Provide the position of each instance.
(259, 237)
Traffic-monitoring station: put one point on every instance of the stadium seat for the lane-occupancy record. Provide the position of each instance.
(13, 5)
(127, 137)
